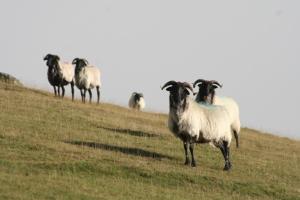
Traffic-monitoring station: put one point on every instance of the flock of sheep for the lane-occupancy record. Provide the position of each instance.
(85, 77)
(206, 119)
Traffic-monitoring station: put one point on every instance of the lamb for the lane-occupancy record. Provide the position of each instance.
(86, 78)
(206, 94)
(137, 101)
(59, 74)
(197, 123)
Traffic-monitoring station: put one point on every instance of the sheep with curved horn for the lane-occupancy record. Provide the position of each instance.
(59, 74)
(206, 94)
(87, 77)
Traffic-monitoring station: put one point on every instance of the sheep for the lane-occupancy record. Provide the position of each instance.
(137, 101)
(59, 74)
(206, 94)
(86, 78)
(197, 123)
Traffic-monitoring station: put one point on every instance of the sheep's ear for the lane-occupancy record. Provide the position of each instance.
(214, 86)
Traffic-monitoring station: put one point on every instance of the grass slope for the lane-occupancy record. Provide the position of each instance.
(59, 149)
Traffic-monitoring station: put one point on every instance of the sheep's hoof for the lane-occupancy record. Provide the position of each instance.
(187, 162)
(227, 166)
(194, 164)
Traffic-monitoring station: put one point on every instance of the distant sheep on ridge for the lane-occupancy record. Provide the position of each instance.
(137, 101)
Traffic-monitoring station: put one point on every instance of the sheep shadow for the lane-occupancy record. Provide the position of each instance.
(129, 132)
(125, 150)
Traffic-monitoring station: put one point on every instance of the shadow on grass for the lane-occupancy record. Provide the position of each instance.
(125, 150)
(129, 132)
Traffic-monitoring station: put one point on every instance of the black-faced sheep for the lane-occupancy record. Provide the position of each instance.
(206, 94)
(59, 74)
(137, 101)
(87, 77)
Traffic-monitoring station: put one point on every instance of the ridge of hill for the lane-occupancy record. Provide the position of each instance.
(52, 148)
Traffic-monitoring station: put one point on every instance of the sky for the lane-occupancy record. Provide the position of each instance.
(251, 47)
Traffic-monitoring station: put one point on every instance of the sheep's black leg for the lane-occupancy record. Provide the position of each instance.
(236, 136)
(84, 93)
(90, 93)
(63, 91)
(221, 147)
(186, 146)
(98, 94)
(54, 90)
(58, 91)
(225, 151)
(72, 90)
(192, 153)
(81, 93)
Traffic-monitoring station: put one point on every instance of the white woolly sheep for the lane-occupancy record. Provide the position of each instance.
(196, 123)
(86, 78)
(206, 94)
(59, 74)
(137, 101)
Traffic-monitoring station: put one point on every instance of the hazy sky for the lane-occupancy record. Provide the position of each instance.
(251, 47)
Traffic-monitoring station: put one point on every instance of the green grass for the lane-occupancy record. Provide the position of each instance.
(58, 149)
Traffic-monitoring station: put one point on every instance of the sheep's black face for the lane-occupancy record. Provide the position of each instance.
(79, 64)
(52, 60)
(206, 92)
(178, 95)
(137, 97)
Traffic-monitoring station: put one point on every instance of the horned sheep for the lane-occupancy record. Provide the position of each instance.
(87, 77)
(206, 94)
(59, 74)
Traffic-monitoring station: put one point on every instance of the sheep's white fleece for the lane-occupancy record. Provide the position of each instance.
(201, 122)
(233, 110)
(140, 105)
(88, 77)
(67, 71)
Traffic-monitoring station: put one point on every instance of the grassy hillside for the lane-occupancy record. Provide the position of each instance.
(59, 149)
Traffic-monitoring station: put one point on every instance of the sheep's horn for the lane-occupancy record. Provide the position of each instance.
(86, 62)
(187, 85)
(216, 83)
(75, 61)
(199, 81)
(47, 56)
(168, 84)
